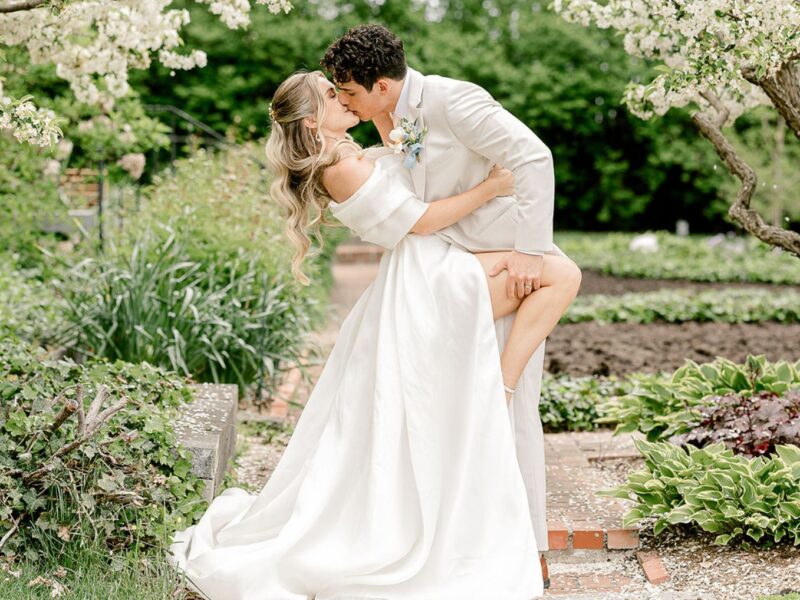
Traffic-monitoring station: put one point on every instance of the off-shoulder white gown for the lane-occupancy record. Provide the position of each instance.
(400, 481)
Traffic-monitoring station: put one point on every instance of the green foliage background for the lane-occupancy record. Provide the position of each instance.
(613, 170)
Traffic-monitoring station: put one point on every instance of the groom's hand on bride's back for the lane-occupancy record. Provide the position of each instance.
(524, 273)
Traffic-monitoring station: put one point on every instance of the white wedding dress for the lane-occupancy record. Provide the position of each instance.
(401, 479)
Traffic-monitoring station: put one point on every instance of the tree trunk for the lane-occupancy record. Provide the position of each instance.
(20, 5)
(783, 90)
(740, 210)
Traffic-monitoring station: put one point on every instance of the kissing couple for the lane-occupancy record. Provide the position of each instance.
(416, 468)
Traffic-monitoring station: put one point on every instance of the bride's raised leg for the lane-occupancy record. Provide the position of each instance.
(537, 313)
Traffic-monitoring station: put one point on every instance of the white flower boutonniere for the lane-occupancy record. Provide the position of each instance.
(407, 138)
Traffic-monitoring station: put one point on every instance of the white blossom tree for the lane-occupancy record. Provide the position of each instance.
(722, 56)
(93, 45)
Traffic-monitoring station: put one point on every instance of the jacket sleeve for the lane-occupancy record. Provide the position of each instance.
(484, 126)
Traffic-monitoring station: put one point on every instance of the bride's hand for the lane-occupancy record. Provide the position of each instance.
(501, 181)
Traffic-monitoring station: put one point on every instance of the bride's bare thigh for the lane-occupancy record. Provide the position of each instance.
(502, 305)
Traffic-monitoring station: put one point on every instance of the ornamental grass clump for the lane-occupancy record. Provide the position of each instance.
(227, 323)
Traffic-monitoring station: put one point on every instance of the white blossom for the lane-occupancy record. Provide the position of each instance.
(133, 164)
(95, 43)
(27, 122)
(51, 168)
(64, 149)
(705, 46)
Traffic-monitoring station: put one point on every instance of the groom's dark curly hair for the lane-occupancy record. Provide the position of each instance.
(364, 54)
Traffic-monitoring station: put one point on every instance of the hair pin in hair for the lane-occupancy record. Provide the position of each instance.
(271, 112)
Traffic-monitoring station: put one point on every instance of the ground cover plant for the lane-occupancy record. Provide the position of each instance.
(738, 305)
(88, 455)
(746, 500)
(722, 450)
(661, 405)
(695, 257)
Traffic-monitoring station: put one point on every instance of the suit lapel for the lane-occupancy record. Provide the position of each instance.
(415, 84)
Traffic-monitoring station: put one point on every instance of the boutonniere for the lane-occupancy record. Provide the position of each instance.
(407, 137)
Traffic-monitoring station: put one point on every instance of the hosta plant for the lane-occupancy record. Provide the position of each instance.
(732, 496)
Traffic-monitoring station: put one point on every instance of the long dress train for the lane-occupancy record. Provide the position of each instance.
(401, 479)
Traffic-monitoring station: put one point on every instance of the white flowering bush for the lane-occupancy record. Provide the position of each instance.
(725, 57)
(27, 122)
(94, 44)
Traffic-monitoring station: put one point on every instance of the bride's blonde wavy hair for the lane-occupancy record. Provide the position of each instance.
(297, 156)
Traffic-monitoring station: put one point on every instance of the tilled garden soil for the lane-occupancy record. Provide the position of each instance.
(619, 348)
(593, 282)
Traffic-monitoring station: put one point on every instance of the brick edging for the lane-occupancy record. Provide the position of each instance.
(279, 403)
(588, 536)
(653, 567)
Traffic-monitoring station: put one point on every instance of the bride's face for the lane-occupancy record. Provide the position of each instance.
(338, 117)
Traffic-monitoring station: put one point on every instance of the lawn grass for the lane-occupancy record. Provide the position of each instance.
(87, 575)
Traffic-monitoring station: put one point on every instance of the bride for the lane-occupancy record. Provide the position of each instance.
(400, 480)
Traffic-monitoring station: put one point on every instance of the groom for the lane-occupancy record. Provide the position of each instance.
(467, 132)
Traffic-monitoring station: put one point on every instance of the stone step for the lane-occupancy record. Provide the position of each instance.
(207, 428)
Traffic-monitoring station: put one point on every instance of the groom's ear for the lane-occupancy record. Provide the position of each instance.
(382, 84)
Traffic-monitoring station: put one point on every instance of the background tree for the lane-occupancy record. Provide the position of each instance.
(723, 56)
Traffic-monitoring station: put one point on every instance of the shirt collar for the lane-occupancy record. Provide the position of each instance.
(402, 108)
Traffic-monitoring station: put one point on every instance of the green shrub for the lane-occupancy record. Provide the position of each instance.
(27, 198)
(573, 403)
(723, 493)
(745, 259)
(198, 279)
(663, 405)
(28, 307)
(88, 455)
(681, 305)
(218, 204)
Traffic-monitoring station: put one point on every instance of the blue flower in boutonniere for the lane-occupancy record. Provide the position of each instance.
(407, 138)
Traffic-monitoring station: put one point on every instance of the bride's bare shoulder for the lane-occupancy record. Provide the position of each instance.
(343, 178)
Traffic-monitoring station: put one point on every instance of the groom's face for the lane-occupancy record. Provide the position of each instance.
(364, 104)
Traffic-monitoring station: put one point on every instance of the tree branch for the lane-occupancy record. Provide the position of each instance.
(783, 90)
(94, 419)
(20, 5)
(10, 532)
(740, 210)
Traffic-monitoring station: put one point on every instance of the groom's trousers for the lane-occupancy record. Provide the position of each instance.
(528, 432)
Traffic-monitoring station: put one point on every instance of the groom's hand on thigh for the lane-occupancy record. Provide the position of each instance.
(524, 274)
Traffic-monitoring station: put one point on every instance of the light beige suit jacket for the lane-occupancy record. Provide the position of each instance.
(468, 132)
